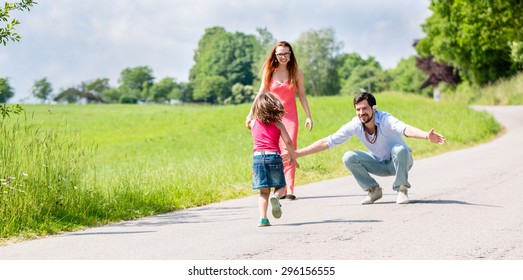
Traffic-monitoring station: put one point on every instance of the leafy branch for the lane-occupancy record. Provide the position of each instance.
(8, 33)
(6, 110)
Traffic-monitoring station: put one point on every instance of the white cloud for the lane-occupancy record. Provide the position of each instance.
(74, 41)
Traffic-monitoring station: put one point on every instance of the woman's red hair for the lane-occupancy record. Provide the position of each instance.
(271, 63)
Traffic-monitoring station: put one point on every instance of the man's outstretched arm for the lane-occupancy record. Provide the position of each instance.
(431, 135)
(316, 147)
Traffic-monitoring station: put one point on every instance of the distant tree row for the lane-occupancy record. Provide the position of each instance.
(226, 71)
(135, 84)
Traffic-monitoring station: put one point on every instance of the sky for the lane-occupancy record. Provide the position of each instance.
(69, 42)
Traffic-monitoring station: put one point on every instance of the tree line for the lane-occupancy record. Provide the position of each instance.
(466, 41)
(226, 71)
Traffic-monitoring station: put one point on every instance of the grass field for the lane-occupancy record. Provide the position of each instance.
(503, 92)
(69, 166)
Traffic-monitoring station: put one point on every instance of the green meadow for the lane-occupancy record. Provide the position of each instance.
(64, 167)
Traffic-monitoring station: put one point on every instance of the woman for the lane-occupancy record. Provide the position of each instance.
(282, 77)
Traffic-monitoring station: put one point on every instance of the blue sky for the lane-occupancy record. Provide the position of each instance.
(71, 41)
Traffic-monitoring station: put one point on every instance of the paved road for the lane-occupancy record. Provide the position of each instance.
(465, 205)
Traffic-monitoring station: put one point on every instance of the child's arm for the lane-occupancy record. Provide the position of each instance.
(288, 141)
(250, 124)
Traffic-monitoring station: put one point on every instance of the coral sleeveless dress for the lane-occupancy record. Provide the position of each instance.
(287, 95)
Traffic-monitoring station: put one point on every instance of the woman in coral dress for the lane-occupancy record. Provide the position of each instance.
(282, 77)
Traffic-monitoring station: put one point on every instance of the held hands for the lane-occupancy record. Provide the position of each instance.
(288, 159)
(436, 137)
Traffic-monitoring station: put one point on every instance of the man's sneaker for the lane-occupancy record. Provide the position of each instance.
(403, 197)
(264, 222)
(374, 194)
(276, 206)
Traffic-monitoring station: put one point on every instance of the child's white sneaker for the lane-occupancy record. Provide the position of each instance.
(276, 206)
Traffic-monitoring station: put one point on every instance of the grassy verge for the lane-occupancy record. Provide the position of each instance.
(106, 163)
(41, 171)
(504, 92)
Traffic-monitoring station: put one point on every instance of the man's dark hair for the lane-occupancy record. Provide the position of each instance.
(363, 95)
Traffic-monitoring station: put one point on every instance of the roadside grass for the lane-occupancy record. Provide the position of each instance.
(96, 164)
(504, 92)
(40, 174)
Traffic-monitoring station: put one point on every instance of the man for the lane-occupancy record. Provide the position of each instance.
(388, 153)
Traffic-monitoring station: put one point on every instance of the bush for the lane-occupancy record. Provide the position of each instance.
(127, 99)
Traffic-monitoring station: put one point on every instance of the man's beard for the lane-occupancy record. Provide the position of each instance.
(368, 120)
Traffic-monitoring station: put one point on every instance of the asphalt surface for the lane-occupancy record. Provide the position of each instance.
(465, 205)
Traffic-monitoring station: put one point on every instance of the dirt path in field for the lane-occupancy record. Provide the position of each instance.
(465, 204)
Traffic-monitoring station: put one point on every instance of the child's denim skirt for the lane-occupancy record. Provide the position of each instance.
(267, 171)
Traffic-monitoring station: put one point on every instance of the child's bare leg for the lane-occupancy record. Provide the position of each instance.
(279, 192)
(263, 202)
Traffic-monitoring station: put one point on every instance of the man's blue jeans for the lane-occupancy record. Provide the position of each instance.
(360, 164)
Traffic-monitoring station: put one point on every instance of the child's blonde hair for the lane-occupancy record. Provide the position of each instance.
(267, 107)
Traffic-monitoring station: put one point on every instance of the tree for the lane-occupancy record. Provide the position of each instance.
(265, 37)
(407, 77)
(266, 41)
(347, 62)
(90, 91)
(183, 92)
(127, 99)
(135, 82)
(437, 72)
(42, 89)
(369, 77)
(474, 37)
(6, 91)
(212, 89)
(111, 95)
(97, 86)
(8, 33)
(241, 94)
(70, 95)
(224, 54)
(361, 73)
(164, 90)
(516, 54)
(317, 52)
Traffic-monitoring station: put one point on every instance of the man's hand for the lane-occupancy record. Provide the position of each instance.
(436, 137)
(287, 160)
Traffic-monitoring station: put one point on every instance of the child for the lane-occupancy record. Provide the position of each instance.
(267, 166)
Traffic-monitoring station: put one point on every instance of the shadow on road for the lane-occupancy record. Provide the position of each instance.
(323, 196)
(108, 232)
(330, 222)
(446, 201)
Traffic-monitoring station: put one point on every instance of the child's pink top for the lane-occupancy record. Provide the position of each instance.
(266, 136)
